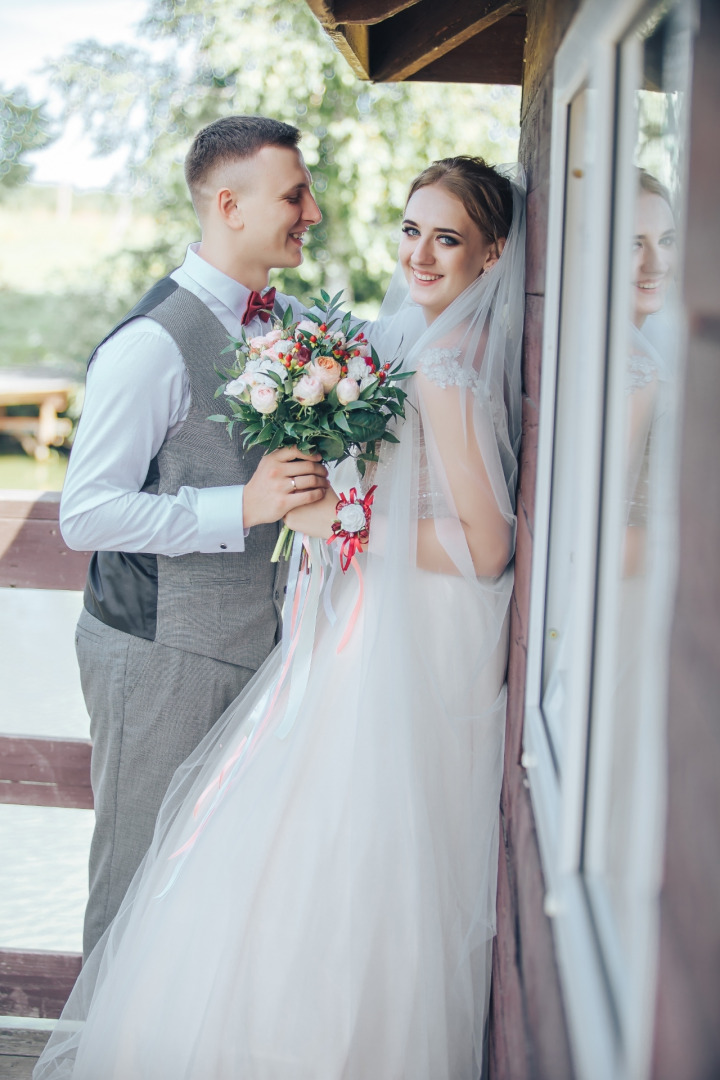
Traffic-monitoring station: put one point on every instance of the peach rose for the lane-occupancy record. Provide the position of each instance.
(327, 370)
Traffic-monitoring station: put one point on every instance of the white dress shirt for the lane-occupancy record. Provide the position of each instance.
(137, 395)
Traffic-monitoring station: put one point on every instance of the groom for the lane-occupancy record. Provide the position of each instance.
(182, 602)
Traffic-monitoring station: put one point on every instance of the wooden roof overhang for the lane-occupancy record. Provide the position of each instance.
(467, 41)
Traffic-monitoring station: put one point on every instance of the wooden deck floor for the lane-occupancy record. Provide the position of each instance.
(21, 1046)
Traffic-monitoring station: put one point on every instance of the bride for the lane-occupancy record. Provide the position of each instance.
(319, 899)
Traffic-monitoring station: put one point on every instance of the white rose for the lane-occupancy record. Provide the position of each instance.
(367, 380)
(236, 388)
(261, 377)
(352, 518)
(264, 399)
(308, 390)
(347, 391)
(357, 368)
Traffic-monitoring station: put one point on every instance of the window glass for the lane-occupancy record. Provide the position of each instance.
(637, 518)
(563, 536)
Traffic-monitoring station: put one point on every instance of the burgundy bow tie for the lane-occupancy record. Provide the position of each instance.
(259, 305)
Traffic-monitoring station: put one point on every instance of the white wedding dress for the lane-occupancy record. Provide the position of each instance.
(319, 899)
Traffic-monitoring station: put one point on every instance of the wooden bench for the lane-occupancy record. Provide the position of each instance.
(36, 434)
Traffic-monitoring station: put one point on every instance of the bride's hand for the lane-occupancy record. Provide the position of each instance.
(316, 518)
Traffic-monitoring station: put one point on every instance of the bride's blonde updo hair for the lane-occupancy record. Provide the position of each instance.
(485, 194)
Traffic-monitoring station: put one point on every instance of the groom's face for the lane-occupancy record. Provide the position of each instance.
(277, 207)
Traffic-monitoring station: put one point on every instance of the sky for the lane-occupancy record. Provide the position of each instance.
(32, 32)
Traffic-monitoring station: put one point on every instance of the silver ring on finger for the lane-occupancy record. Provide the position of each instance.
(294, 485)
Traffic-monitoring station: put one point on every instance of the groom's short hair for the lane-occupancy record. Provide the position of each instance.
(230, 139)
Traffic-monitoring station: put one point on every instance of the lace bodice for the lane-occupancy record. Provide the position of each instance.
(442, 367)
(641, 370)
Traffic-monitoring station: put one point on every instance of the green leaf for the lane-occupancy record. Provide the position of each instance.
(219, 419)
(265, 436)
(276, 441)
(331, 448)
(341, 421)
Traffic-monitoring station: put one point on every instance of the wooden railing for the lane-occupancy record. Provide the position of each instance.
(39, 771)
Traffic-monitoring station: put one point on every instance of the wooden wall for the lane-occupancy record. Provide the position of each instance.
(528, 1034)
(687, 1033)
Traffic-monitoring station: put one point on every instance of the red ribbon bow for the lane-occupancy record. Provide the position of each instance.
(259, 305)
(352, 542)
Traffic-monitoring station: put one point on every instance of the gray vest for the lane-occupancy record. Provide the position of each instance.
(224, 605)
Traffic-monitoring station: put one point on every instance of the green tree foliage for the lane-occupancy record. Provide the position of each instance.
(23, 127)
(363, 143)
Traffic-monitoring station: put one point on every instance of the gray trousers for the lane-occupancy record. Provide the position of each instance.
(149, 707)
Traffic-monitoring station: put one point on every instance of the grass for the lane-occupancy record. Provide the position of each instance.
(64, 273)
(17, 470)
(54, 241)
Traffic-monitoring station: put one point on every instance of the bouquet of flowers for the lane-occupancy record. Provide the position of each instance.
(316, 384)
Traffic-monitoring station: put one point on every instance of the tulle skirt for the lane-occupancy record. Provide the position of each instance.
(318, 903)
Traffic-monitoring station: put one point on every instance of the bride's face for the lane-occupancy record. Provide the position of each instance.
(654, 255)
(442, 250)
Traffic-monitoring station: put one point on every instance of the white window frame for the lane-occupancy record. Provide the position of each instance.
(608, 1038)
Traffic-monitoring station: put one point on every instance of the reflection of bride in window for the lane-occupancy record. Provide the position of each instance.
(648, 386)
(653, 268)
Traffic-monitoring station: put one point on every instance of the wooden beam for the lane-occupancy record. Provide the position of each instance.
(367, 12)
(45, 772)
(351, 42)
(35, 983)
(495, 57)
(33, 554)
(403, 45)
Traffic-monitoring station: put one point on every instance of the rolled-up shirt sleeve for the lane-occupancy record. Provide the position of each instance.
(137, 394)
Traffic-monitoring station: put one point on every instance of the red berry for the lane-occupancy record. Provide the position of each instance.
(313, 339)
(323, 327)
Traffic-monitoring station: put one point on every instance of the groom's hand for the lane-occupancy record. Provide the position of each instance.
(283, 481)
